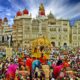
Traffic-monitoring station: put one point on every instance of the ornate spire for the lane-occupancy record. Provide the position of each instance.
(5, 19)
(0, 20)
(41, 7)
(41, 10)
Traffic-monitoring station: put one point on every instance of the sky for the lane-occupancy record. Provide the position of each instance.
(64, 9)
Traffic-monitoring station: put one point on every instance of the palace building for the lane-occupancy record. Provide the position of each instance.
(27, 29)
(75, 32)
(5, 32)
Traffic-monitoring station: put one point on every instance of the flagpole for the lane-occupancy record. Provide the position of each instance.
(9, 40)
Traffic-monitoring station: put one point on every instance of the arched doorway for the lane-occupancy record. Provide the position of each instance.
(65, 45)
(53, 44)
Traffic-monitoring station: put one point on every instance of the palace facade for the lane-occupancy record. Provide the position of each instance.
(75, 34)
(27, 29)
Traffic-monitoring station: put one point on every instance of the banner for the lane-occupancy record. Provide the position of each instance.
(8, 52)
(46, 71)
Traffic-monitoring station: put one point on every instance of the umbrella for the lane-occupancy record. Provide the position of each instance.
(49, 63)
(29, 62)
(11, 70)
(36, 63)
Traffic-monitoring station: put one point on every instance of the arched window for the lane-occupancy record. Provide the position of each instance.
(65, 45)
(2, 39)
(53, 43)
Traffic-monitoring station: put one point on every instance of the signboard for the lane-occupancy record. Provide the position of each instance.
(8, 52)
(46, 70)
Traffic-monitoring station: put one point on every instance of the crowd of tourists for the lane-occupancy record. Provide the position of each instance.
(61, 65)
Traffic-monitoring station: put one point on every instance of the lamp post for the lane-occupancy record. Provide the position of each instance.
(9, 40)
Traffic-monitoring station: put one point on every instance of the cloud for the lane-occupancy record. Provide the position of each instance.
(72, 11)
(60, 8)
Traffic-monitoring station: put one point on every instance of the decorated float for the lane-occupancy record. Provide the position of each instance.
(40, 42)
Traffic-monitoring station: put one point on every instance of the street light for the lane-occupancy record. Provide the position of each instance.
(9, 40)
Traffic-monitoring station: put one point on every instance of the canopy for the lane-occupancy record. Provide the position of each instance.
(41, 41)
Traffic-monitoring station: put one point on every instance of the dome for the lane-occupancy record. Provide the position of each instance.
(19, 13)
(5, 19)
(0, 20)
(25, 11)
(51, 15)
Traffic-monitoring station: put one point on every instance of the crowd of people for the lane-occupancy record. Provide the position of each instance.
(61, 65)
